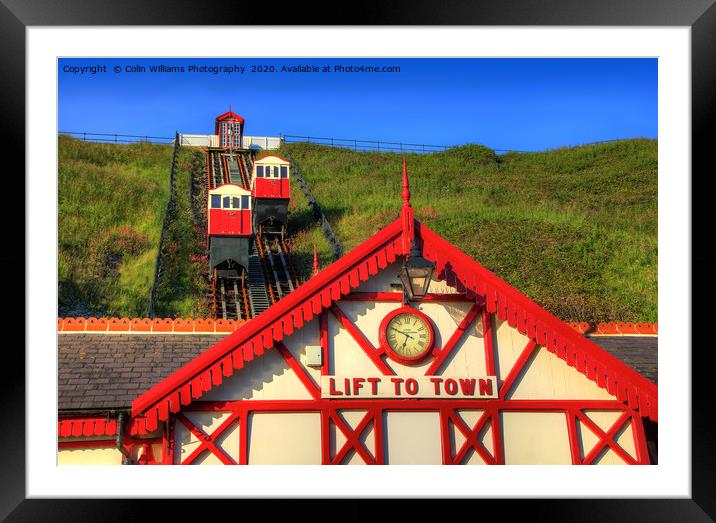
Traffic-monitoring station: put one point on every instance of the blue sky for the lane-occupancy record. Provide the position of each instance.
(520, 104)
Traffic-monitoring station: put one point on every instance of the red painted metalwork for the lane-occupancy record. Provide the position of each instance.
(605, 440)
(373, 353)
(383, 335)
(407, 218)
(471, 438)
(374, 410)
(207, 441)
(300, 371)
(453, 341)
(323, 335)
(316, 268)
(487, 334)
(353, 436)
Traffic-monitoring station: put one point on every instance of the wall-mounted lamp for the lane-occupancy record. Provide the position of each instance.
(415, 274)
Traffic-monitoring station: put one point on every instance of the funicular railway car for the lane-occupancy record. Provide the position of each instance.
(230, 233)
(271, 190)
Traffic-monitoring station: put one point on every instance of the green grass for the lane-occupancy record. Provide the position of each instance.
(111, 200)
(574, 228)
(183, 279)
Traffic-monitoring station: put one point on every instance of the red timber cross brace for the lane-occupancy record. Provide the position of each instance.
(491, 300)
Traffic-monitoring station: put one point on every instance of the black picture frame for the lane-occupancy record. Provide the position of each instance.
(699, 15)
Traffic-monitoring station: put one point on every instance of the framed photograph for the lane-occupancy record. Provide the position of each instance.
(417, 246)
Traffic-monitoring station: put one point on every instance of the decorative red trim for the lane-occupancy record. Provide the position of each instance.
(338, 279)
(383, 335)
(616, 328)
(76, 427)
(453, 341)
(148, 325)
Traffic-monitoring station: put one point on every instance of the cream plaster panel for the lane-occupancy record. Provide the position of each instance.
(267, 377)
(285, 438)
(413, 438)
(507, 344)
(535, 438)
(299, 342)
(346, 358)
(98, 456)
(468, 357)
(548, 377)
(604, 419)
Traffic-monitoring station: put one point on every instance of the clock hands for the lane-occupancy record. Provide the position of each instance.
(403, 333)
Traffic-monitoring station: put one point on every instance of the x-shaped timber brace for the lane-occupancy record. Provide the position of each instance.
(374, 410)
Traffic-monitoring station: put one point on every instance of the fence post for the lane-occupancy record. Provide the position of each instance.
(355, 145)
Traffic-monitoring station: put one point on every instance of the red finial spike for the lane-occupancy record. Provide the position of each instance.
(316, 268)
(406, 185)
(406, 213)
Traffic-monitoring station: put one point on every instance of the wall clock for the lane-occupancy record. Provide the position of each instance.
(406, 335)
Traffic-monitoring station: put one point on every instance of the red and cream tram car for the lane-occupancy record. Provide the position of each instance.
(271, 190)
(229, 224)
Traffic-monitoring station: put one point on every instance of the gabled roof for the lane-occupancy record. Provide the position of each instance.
(209, 369)
(229, 114)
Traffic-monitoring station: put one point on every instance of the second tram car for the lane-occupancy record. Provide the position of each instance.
(271, 190)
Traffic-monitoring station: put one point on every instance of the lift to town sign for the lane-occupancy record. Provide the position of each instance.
(433, 387)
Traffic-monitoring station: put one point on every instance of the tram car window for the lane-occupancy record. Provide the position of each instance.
(271, 191)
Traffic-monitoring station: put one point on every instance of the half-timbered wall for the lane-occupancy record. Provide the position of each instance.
(271, 411)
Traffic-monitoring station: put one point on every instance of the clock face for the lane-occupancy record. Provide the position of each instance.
(407, 335)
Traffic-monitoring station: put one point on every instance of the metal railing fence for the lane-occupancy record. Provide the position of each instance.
(117, 138)
(367, 145)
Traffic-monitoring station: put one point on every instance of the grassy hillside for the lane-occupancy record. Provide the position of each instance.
(575, 228)
(111, 200)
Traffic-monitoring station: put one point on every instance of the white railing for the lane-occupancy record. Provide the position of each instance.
(261, 142)
(247, 142)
